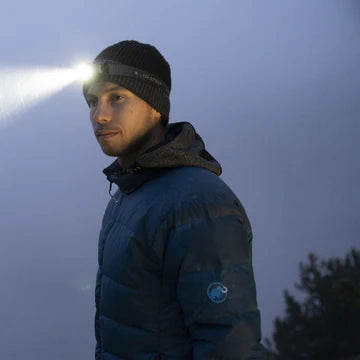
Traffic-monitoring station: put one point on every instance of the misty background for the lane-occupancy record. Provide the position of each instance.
(272, 87)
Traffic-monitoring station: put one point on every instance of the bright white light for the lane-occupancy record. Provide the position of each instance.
(21, 88)
(84, 71)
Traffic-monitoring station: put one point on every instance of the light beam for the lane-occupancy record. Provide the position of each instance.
(21, 88)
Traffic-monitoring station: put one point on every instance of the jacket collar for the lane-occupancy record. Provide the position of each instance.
(130, 180)
(182, 146)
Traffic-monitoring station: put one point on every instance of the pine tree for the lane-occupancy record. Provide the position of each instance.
(326, 325)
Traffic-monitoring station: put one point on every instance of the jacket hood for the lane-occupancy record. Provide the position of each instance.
(181, 146)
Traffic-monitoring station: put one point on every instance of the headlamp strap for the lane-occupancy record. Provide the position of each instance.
(115, 68)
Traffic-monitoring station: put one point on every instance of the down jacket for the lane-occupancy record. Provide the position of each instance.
(175, 278)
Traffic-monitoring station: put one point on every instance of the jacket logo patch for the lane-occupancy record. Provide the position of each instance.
(217, 292)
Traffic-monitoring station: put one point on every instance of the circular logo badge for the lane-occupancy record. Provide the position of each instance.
(217, 292)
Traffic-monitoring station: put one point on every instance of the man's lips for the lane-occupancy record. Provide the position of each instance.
(105, 134)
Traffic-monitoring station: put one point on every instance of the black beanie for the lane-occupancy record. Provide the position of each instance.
(144, 57)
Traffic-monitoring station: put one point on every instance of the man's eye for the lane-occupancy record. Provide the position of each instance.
(117, 97)
(92, 102)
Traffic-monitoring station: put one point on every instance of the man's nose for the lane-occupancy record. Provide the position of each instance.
(102, 113)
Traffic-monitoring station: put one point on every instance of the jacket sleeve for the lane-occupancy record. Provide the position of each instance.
(216, 287)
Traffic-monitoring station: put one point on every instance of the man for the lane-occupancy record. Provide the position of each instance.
(175, 278)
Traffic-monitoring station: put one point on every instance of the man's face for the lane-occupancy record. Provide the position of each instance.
(127, 119)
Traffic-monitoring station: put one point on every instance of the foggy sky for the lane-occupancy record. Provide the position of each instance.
(272, 87)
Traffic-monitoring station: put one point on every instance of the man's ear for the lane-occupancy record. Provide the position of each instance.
(156, 114)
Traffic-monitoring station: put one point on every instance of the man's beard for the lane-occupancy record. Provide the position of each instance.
(137, 145)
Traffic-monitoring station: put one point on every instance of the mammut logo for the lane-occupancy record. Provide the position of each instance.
(217, 292)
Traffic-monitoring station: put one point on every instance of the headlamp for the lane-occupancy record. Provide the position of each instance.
(109, 67)
(84, 71)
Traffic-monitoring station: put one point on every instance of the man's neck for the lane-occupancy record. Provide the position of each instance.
(129, 162)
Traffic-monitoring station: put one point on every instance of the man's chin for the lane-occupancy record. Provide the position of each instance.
(109, 151)
(126, 149)
(115, 152)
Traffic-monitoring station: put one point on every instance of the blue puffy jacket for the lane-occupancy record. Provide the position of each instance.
(175, 279)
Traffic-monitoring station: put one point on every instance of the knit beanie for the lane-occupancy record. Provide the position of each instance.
(139, 68)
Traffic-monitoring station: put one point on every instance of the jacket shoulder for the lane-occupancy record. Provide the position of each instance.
(194, 193)
(192, 180)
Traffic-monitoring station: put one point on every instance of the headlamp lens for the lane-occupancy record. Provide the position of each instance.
(84, 71)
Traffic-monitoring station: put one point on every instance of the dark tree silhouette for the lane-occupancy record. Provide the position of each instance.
(326, 325)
